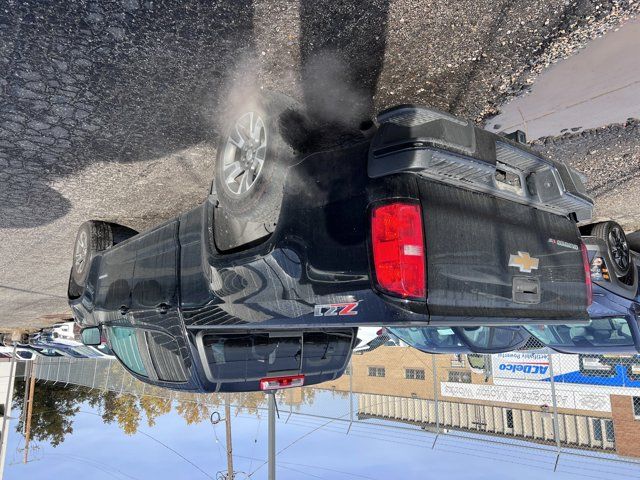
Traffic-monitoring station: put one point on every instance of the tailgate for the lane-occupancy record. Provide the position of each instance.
(490, 257)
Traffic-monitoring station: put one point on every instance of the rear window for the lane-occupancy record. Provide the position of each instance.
(252, 357)
(325, 351)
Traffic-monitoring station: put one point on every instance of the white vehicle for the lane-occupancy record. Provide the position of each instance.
(21, 353)
(370, 338)
(63, 330)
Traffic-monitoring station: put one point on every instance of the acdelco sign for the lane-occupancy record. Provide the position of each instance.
(534, 369)
(520, 365)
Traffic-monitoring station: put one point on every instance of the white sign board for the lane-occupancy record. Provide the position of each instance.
(532, 395)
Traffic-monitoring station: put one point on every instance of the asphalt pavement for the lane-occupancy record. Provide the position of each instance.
(111, 110)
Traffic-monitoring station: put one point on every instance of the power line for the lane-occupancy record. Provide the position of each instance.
(165, 446)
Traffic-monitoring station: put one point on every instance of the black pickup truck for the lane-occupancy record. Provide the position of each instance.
(425, 220)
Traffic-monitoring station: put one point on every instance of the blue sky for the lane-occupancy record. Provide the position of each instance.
(315, 449)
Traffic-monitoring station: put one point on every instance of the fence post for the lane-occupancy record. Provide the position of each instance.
(71, 362)
(556, 426)
(350, 395)
(434, 372)
(95, 374)
(106, 382)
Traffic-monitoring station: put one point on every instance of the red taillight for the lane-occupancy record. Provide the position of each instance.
(276, 383)
(587, 273)
(398, 249)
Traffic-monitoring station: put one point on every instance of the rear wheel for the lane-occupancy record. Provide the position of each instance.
(93, 236)
(260, 143)
(613, 235)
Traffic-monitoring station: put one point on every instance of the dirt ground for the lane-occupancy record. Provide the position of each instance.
(111, 111)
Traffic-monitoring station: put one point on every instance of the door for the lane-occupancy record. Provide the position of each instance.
(155, 276)
(113, 292)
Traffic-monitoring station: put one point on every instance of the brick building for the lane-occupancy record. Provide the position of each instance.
(397, 383)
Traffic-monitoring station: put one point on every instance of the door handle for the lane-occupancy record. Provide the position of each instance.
(163, 308)
(123, 310)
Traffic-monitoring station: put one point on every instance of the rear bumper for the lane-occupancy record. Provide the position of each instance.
(442, 147)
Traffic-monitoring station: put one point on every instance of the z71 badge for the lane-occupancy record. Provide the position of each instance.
(333, 309)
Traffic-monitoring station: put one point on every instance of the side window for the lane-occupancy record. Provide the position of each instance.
(148, 353)
(124, 343)
(165, 357)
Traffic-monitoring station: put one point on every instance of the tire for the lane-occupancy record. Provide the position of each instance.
(261, 140)
(93, 236)
(614, 237)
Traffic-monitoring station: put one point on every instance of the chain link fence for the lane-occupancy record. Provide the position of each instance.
(542, 408)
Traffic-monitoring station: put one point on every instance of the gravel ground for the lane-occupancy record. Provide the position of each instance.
(110, 109)
(610, 157)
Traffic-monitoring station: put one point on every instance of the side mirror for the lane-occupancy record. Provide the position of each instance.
(91, 336)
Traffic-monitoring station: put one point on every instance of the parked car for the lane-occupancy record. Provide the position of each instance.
(425, 219)
(370, 338)
(615, 311)
(22, 353)
(63, 330)
(68, 348)
(29, 352)
(462, 339)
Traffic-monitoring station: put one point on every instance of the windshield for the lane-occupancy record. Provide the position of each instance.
(429, 339)
(50, 352)
(603, 333)
(493, 338)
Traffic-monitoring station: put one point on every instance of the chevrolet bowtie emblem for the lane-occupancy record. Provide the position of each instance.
(524, 262)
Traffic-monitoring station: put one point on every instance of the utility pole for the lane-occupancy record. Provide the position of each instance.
(7, 411)
(227, 421)
(27, 435)
(23, 414)
(272, 435)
